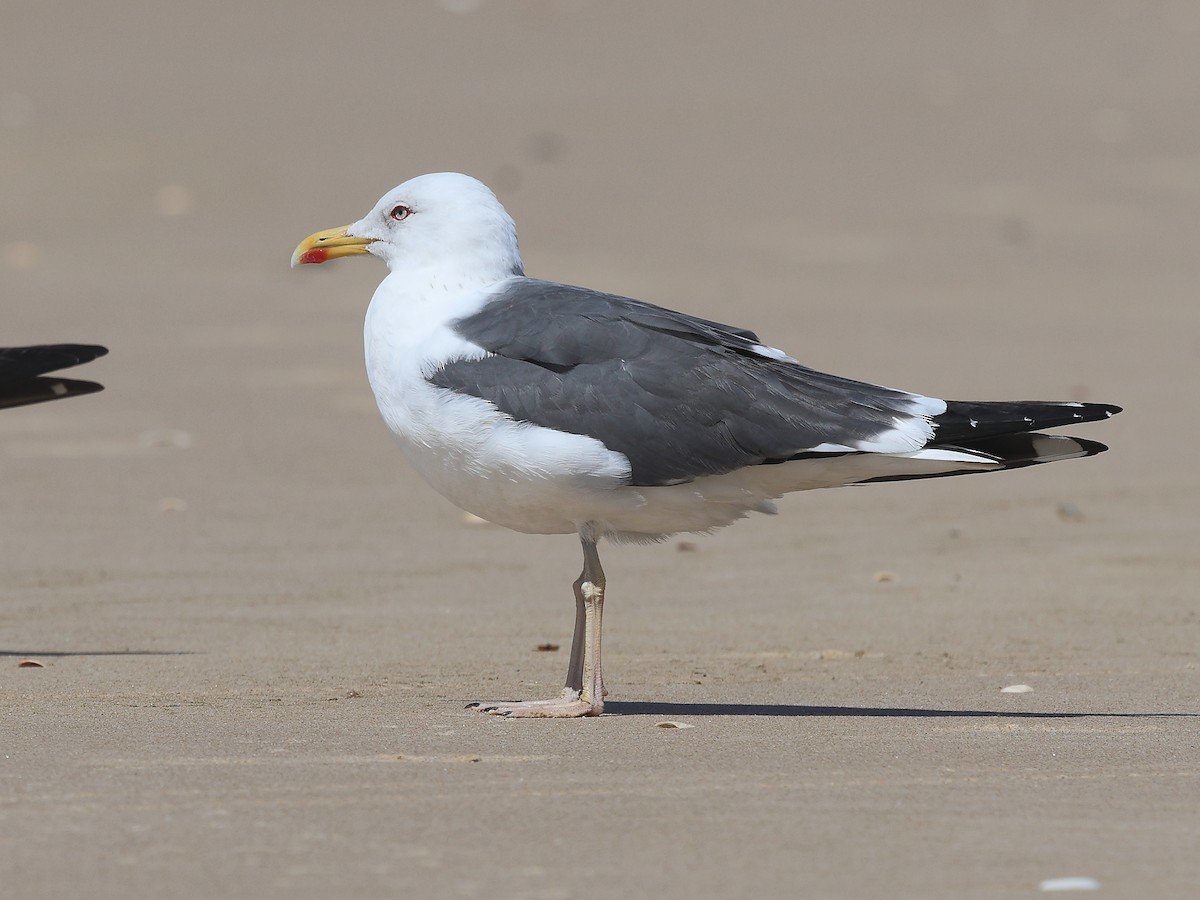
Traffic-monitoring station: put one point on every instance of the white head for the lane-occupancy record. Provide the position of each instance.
(445, 223)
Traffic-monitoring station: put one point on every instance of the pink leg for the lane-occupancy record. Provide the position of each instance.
(584, 691)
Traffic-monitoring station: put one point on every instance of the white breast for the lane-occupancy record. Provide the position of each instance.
(519, 475)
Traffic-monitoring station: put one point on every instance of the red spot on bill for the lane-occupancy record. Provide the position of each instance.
(315, 255)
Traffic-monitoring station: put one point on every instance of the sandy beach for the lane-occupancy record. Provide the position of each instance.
(256, 629)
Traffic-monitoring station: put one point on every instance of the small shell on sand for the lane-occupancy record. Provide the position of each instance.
(1074, 883)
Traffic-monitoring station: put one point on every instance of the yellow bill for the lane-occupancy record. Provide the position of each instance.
(327, 245)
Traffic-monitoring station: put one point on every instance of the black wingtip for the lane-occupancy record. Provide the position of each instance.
(968, 421)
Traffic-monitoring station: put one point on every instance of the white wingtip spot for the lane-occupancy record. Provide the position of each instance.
(772, 353)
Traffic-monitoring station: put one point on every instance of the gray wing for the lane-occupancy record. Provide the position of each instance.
(681, 397)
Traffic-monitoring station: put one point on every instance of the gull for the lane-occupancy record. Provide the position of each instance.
(23, 378)
(553, 409)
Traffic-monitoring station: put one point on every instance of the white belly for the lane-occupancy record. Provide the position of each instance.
(522, 476)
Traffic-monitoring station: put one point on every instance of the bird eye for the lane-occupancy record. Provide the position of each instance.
(400, 213)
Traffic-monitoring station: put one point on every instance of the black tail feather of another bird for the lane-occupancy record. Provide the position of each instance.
(23, 378)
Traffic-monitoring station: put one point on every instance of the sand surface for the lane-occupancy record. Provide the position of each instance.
(258, 628)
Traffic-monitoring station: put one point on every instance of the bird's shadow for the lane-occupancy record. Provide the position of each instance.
(34, 654)
(651, 708)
